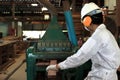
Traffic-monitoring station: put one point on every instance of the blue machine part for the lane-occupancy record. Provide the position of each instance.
(70, 27)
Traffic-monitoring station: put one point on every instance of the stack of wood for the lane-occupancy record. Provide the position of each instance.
(52, 74)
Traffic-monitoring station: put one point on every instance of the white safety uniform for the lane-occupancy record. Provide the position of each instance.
(104, 53)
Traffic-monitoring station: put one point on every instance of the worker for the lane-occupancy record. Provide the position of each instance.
(101, 48)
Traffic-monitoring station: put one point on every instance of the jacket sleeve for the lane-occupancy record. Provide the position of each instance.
(89, 48)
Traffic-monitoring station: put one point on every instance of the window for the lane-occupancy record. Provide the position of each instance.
(33, 34)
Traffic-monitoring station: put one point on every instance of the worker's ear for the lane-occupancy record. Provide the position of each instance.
(87, 21)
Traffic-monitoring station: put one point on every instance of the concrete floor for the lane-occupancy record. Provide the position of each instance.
(20, 73)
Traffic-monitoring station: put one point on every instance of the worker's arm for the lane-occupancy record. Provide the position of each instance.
(89, 48)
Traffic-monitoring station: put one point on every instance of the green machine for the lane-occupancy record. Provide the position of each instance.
(54, 45)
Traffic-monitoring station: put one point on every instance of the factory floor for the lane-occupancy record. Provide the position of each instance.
(17, 70)
(20, 73)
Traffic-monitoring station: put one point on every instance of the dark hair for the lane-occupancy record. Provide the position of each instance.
(97, 18)
(105, 7)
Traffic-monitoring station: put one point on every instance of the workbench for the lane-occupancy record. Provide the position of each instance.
(6, 53)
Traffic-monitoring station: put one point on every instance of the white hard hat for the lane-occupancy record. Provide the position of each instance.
(89, 7)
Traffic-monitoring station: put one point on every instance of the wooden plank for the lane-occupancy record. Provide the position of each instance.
(4, 66)
(51, 73)
(42, 64)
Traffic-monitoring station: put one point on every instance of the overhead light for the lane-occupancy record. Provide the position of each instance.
(19, 23)
(15, 18)
(28, 18)
(46, 17)
(70, 8)
(65, 31)
(34, 4)
(44, 9)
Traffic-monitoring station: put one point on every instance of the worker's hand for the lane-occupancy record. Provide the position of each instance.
(52, 67)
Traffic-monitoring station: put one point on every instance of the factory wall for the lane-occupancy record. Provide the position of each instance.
(4, 29)
(110, 3)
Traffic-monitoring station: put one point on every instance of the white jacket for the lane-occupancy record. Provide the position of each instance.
(104, 53)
